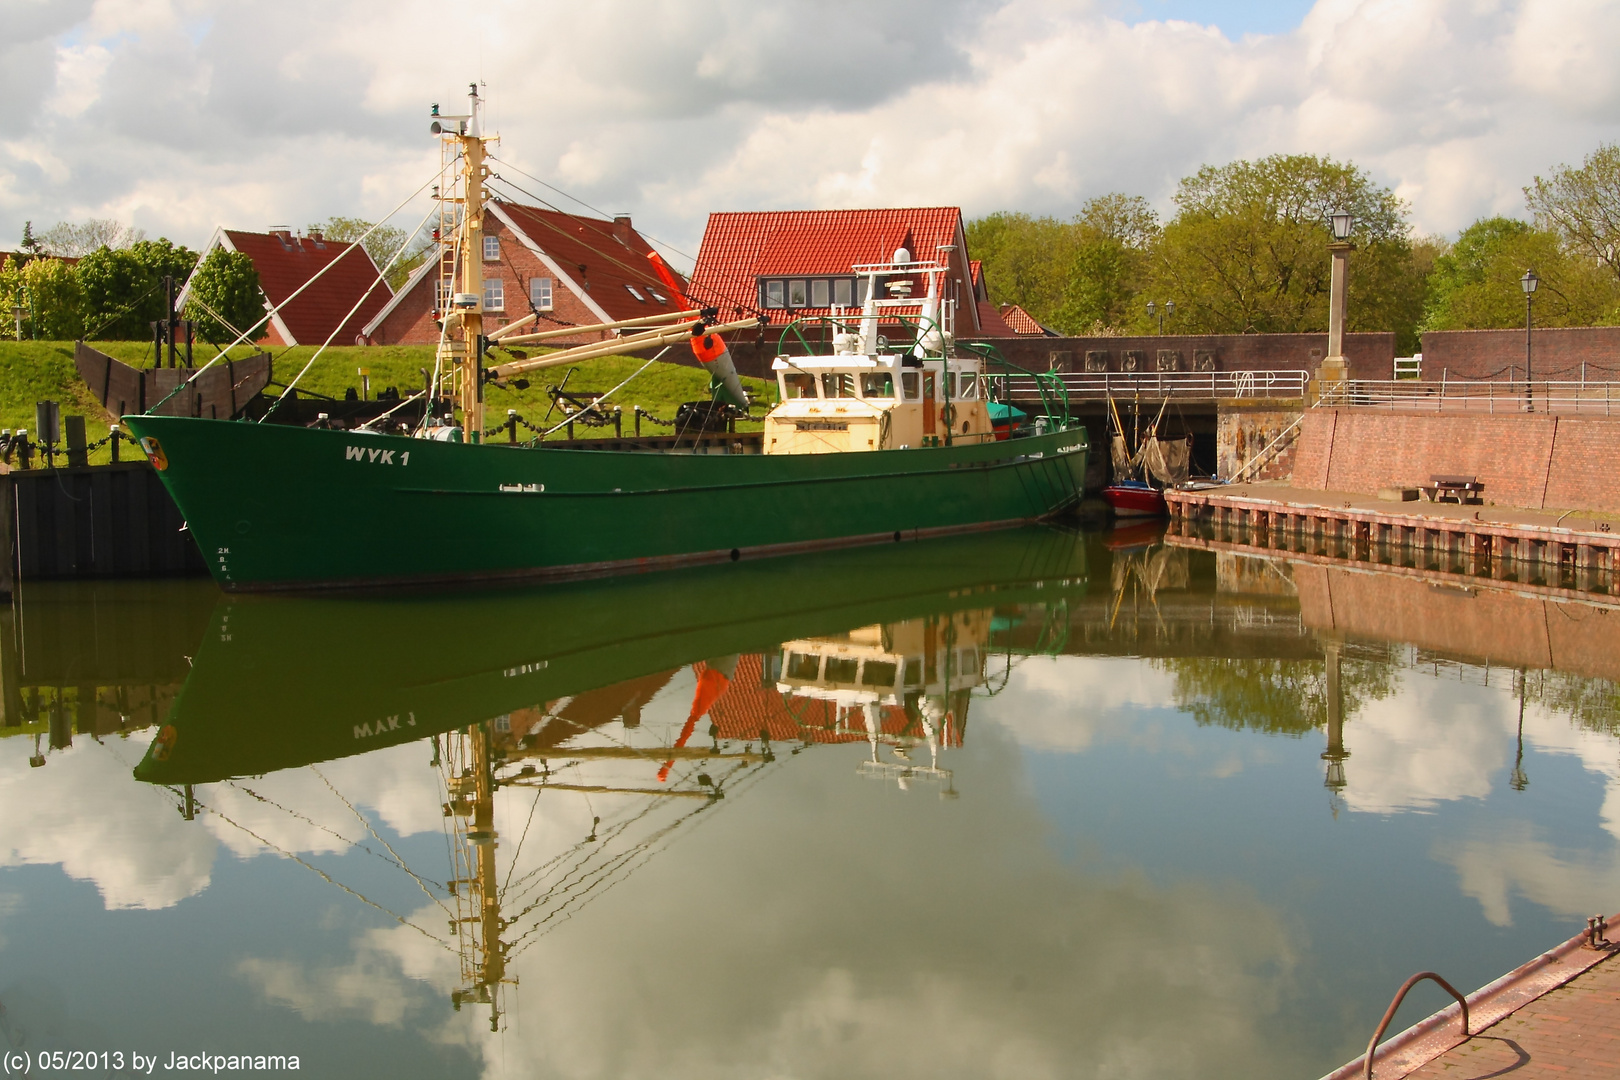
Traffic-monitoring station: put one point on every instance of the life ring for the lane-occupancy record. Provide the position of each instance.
(947, 414)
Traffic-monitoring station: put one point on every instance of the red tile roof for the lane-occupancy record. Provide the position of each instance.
(739, 247)
(285, 262)
(612, 254)
(1021, 321)
(747, 708)
(991, 324)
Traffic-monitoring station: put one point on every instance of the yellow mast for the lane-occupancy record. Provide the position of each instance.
(462, 293)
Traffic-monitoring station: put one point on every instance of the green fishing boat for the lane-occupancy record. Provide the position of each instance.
(869, 443)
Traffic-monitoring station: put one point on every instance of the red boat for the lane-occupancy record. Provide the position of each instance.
(1133, 498)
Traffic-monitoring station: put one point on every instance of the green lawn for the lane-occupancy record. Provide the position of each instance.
(33, 371)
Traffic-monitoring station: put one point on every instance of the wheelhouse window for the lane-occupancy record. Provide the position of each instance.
(803, 666)
(908, 383)
(877, 384)
(540, 293)
(492, 249)
(798, 384)
(774, 292)
(967, 386)
(837, 384)
(494, 294)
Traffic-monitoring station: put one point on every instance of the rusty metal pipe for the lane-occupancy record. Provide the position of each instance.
(1389, 1014)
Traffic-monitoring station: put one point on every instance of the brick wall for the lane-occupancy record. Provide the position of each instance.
(411, 321)
(1242, 432)
(1369, 356)
(1488, 626)
(1555, 353)
(1537, 462)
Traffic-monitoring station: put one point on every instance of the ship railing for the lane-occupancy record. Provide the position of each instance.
(1186, 385)
(1492, 396)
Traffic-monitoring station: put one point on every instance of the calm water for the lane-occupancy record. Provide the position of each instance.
(1025, 805)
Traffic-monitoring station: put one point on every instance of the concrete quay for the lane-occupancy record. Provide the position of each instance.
(1553, 552)
(1556, 1016)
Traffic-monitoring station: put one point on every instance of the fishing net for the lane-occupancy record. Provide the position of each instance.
(1165, 459)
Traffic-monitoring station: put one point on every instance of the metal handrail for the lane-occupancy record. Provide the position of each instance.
(1389, 1014)
(1490, 396)
(1186, 384)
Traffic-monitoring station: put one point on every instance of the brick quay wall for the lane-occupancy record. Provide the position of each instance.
(1532, 462)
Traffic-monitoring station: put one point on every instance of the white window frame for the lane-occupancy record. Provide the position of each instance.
(494, 294)
(540, 293)
(492, 248)
(775, 294)
(635, 292)
(820, 293)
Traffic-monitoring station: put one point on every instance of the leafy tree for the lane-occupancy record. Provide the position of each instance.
(49, 290)
(123, 289)
(12, 293)
(381, 245)
(226, 287)
(66, 238)
(1070, 275)
(1475, 285)
(1280, 697)
(1583, 206)
(1247, 250)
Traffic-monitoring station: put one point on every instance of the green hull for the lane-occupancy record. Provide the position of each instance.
(280, 682)
(286, 507)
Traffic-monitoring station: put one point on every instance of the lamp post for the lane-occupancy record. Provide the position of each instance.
(1528, 283)
(1168, 309)
(1333, 365)
(17, 313)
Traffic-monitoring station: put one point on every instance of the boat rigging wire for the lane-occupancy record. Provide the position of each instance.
(582, 202)
(595, 406)
(381, 275)
(272, 310)
(399, 861)
(402, 920)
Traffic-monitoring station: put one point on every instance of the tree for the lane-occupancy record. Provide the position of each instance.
(225, 298)
(1247, 250)
(30, 244)
(1070, 275)
(12, 294)
(66, 238)
(1583, 206)
(381, 245)
(1280, 697)
(1475, 285)
(123, 289)
(50, 291)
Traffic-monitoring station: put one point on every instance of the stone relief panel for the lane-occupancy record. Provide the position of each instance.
(1169, 360)
(1130, 360)
(1203, 360)
(1096, 359)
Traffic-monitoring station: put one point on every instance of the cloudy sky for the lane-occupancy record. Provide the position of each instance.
(179, 115)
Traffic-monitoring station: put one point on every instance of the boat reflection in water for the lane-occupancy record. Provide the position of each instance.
(543, 692)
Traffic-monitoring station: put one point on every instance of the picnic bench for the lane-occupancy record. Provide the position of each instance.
(1457, 489)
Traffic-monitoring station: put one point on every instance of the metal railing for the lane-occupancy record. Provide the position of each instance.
(1494, 396)
(1389, 1014)
(1190, 385)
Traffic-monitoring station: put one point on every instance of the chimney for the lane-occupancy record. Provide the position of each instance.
(284, 234)
(621, 228)
(315, 235)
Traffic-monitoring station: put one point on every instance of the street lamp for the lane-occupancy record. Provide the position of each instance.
(17, 313)
(1528, 283)
(1168, 309)
(1333, 365)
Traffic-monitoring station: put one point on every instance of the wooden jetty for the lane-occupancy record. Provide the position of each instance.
(1556, 551)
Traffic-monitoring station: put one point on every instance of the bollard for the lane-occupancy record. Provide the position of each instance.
(114, 436)
(511, 425)
(25, 449)
(48, 426)
(77, 453)
(618, 422)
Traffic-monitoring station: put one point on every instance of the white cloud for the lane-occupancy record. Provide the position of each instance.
(671, 111)
(1065, 703)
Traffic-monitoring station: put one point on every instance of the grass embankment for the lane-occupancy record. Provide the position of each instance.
(32, 371)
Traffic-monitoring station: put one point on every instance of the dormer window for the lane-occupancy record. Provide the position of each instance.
(814, 293)
(492, 249)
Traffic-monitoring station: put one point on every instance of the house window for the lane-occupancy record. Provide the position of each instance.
(633, 291)
(492, 249)
(798, 295)
(540, 293)
(656, 295)
(843, 292)
(773, 294)
(820, 290)
(860, 290)
(494, 294)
